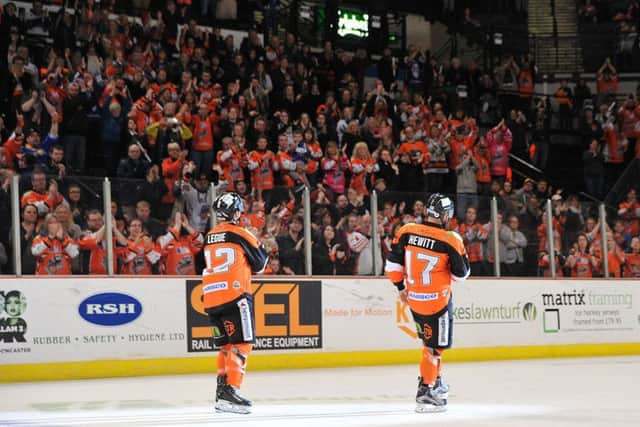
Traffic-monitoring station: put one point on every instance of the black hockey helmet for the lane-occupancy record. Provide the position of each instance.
(226, 205)
(439, 205)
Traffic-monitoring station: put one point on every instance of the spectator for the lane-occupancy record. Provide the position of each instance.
(64, 217)
(514, 242)
(35, 152)
(474, 236)
(54, 250)
(93, 248)
(261, 164)
(196, 198)
(632, 267)
(202, 144)
(466, 184)
(581, 260)
(75, 123)
(324, 252)
(593, 165)
(44, 200)
(564, 97)
(629, 212)
(151, 225)
(131, 170)
(171, 173)
(499, 142)
(29, 230)
(153, 190)
(140, 254)
(179, 247)
(114, 114)
(291, 247)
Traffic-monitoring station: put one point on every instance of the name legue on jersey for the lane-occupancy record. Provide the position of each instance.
(216, 238)
(423, 242)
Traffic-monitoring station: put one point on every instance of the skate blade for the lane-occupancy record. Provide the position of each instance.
(224, 406)
(427, 408)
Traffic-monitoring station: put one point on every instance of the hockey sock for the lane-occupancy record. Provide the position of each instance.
(222, 356)
(236, 362)
(438, 354)
(429, 365)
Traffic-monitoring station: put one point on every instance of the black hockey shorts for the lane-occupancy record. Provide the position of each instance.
(436, 330)
(233, 322)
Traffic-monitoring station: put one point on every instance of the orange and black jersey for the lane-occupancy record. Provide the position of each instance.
(426, 259)
(231, 254)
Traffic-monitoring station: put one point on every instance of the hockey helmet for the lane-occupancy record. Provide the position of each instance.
(439, 205)
(226, 205)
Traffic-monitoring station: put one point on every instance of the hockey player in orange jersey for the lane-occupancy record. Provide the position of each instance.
(424, 261)
(231, 254)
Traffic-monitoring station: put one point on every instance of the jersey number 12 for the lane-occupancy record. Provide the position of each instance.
(227, 255)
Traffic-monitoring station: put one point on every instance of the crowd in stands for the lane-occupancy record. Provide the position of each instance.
(617, 18)
(170, 112)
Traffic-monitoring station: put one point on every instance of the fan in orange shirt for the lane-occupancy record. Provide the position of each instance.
(54, 250)
(232, 159)
(171, 172)
(261, 161)
(140, 253)
(582, 261)
(632, 267)
(43, 199)
(179, 247)
(93, 245)
(363, 166)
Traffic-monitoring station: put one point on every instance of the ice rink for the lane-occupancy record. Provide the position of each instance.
(556, 392)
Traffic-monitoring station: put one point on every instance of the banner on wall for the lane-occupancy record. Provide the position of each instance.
(57, 320)
(288, 316)
(45, 320)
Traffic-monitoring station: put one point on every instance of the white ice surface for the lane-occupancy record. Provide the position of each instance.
(562, 392)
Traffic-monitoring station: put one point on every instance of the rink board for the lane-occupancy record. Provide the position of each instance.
(83, 327)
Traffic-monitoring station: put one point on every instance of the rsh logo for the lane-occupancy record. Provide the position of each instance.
(110, 309)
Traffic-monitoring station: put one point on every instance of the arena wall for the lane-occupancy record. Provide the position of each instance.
(87, 327)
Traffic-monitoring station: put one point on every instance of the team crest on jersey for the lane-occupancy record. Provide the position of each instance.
(229, 327)
(427, 331)
(236, 285)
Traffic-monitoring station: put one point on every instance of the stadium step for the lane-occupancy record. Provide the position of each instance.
(555, 42)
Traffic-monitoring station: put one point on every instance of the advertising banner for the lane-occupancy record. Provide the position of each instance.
(46, 320)
(368, 315)
(71, 319)
(288, 316)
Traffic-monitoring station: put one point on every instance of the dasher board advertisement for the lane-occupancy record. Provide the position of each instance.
(288, 316)
(75, 319)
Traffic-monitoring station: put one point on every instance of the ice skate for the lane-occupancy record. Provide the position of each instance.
(441, 389)
(221, 382)
(228, 400)
(428, 400)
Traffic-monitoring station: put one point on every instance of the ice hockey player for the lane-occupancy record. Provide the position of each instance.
(425, 259)
(231, 255)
